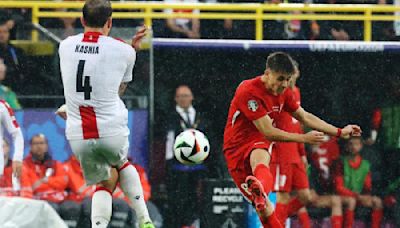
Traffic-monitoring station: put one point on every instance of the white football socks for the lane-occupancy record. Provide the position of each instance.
(130, 184)
(101, 209)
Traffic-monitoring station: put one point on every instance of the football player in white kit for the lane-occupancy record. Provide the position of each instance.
(95, 70)
(9, 123)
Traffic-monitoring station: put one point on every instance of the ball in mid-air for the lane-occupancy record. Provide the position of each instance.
(191, 147)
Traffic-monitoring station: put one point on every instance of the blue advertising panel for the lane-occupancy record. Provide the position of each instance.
(33, 121)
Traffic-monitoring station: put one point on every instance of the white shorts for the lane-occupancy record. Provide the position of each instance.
(98, 156)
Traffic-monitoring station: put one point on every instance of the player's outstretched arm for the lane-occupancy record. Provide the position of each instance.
(136, 40)
(18, 140)
(9, 122)
(264, 125)
(316, 123)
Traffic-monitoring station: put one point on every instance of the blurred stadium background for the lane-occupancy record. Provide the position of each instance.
(343, 79)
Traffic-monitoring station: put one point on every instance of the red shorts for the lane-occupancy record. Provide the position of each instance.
(288, 176)
(238, 162)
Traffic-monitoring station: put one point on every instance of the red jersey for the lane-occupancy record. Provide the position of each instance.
(289, 152)
(6, 186)
(323, 158)
(251, 102)
(54, 189)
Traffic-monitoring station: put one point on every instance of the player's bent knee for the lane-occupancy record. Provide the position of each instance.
(367, 202)
(305, 196)
(259, 156)
(108, 185)
(283, 197)
(377, 202)
(336, 201)
(350, 202)
(111, 183)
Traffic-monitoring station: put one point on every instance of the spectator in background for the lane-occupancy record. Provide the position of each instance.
(385, 30)
(245, 29)
(15, 19)
(6, 16)
(46, 175)
(5, 92)
(385, 137)
(353, 180)
(182, 181)
(299, 30)
(183, 27)
(324, 158)
(9, 185)
(216, 29)
(339, 30)
(275, 29)
(14, 59)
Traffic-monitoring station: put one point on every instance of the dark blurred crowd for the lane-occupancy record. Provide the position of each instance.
(18, 19)
(16, 75)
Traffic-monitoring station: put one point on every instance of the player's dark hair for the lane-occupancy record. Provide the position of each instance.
(281, 62)
(96, 12)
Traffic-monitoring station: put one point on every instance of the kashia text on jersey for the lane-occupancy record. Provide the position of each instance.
(87, 49)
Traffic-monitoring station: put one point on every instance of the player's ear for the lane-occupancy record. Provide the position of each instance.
(109, 23)
(83, 22)
(267, 71)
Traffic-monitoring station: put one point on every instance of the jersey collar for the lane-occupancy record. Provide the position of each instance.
(91, 37)
(356, 162)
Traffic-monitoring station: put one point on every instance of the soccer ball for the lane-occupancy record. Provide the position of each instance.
(191, 147)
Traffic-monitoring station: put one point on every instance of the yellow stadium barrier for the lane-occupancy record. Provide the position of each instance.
(257, 12)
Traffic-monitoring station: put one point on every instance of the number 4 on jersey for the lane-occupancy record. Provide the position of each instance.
(86, 88)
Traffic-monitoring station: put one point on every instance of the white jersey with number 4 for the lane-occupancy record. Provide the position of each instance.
(92, 68)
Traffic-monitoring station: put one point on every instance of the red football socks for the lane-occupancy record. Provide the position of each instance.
(304, 220)
(262, 173)
(281, 212)
(376, 218)
(272, 222)
(337, 221)
(348, 219)
(294, 206)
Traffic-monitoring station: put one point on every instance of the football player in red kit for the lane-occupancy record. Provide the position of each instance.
(289, 172)
(323, 157)
(250, 131)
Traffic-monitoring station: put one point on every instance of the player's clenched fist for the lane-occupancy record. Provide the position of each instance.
(62, 111)
(142, 32)
(350, 130)
(17, 167)
(314, 137)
